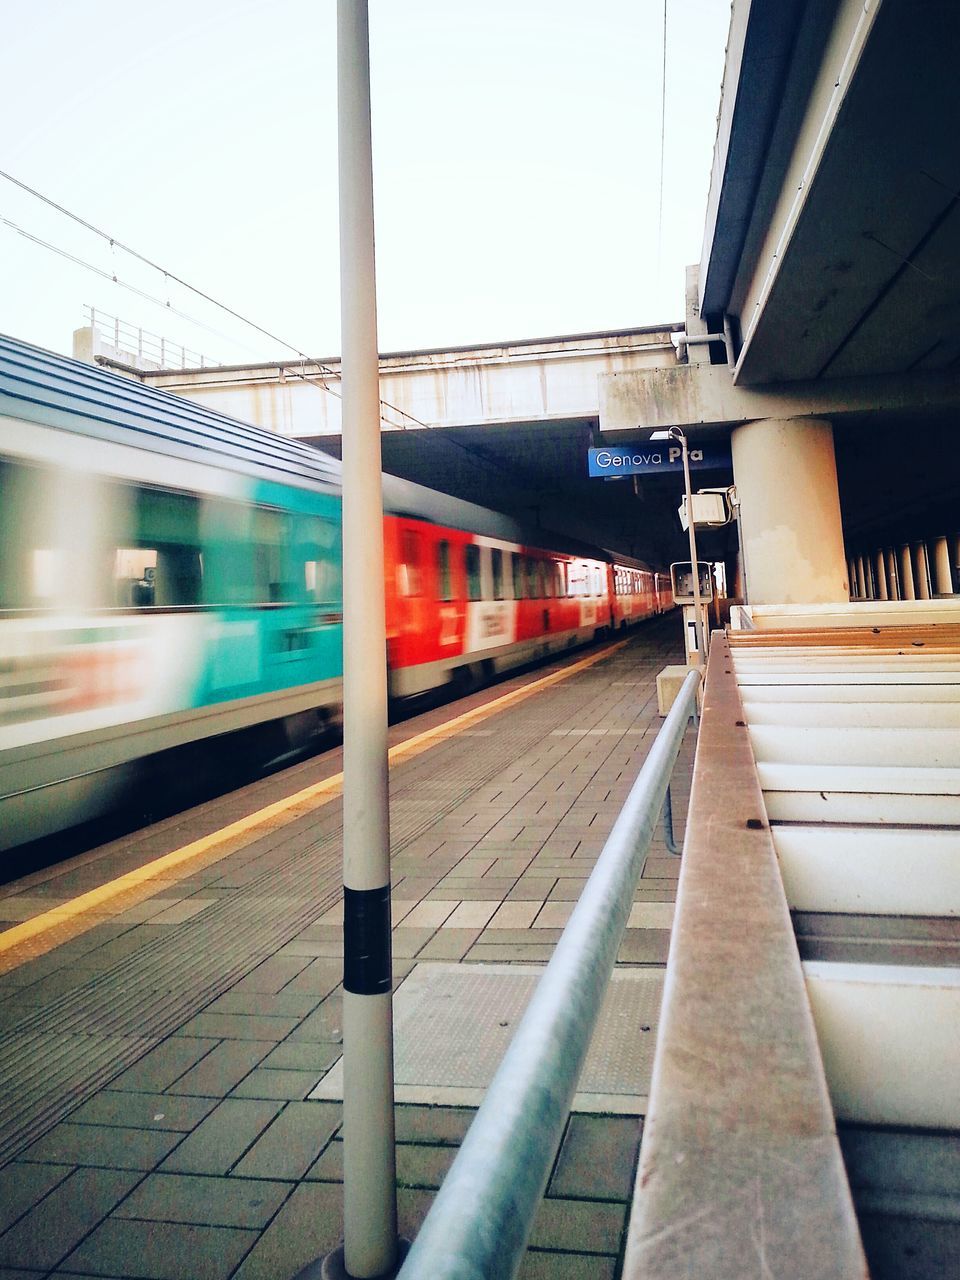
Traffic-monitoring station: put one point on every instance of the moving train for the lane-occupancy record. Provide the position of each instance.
(169, 574)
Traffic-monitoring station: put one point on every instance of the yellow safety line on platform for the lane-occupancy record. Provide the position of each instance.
(311, 797)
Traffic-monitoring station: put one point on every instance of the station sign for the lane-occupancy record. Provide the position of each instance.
(656, 457)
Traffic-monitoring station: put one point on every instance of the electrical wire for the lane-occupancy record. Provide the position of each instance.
(107, 275)
(170, 275)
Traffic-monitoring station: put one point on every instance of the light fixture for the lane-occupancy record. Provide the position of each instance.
(674, 433)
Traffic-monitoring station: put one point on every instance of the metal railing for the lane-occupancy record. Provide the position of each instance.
(483, 1214)
(143, 350)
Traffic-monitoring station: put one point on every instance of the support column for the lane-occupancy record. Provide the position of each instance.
(792, 537)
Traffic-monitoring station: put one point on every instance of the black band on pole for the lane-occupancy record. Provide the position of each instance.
(367, 966)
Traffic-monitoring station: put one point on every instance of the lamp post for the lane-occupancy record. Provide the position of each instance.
(675, 433)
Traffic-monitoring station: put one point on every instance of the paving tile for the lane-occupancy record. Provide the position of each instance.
(667, 868)
(581, 1226)
(324, 1024)
(514, 915)
(597, 1159)
(449, 944)
(417, 886)
(162, 1250)
(472, 915)
(467, 892)
(566, 890)
(239, 1026)
(182, 911)
(496, 954)
(205, 1201)
(106, 956)
(308, 1226)
(143, 1110)
(519, 937)
(46, 1235)
(419, 1166)
(223, 1137)
(407, 942)
(328, 1167)
(412, 1207)
(102, 1146)
(533, 890)
(303, 1055)
(305, 947)
(651, 915)
(441, 1125)
(329, 928)
(276, 1083)
(282, 1004)
(644, 946)
(540, 1265)
(292, 1142)
(158, 1069)
(427, 915)
(319, 978)
(222, 1069)
(554, 915)
(24, 1185)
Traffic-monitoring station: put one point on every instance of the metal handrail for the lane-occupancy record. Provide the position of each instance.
(481, 1220)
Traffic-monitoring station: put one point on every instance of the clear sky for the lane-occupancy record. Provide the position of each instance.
(517, 161)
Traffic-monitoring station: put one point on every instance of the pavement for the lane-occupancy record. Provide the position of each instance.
(158, 1048)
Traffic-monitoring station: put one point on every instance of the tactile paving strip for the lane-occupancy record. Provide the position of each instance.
(453, 1023)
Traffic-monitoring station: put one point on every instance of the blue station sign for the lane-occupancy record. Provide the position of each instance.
(655, 457)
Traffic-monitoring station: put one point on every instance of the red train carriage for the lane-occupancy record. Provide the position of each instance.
(463, 605)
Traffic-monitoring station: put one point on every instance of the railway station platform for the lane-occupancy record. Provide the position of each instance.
(170, 1011)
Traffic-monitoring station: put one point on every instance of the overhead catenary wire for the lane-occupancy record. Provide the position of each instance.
(171, 275)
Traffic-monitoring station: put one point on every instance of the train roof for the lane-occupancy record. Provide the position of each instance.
(71, 395)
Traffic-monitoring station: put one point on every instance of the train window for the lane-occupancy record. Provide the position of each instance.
(321, 559)
(577, 578)
(561, 577)
(27, 575)
(546, 579)
(410, 570)
(272, 536)
(161, 564)
(496, 563)
(227, 556)
(472, 560)
(444, 581)
(518, 591)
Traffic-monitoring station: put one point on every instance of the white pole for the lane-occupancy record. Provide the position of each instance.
(698, 618)
(370, 1213)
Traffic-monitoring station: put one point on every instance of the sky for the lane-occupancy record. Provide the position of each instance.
(517, 155)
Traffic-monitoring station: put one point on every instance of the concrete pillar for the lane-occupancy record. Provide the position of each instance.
(921, 571)
(880, 575)
(907, 591)
(861, 587)
(786, 477)
(942, 578)
(893, 574)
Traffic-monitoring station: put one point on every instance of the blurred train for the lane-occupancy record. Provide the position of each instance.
(168, 574)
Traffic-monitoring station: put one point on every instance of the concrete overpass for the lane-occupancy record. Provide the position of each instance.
(507, 424)
(829, 275)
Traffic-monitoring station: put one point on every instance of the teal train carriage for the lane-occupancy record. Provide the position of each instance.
(167, 574)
